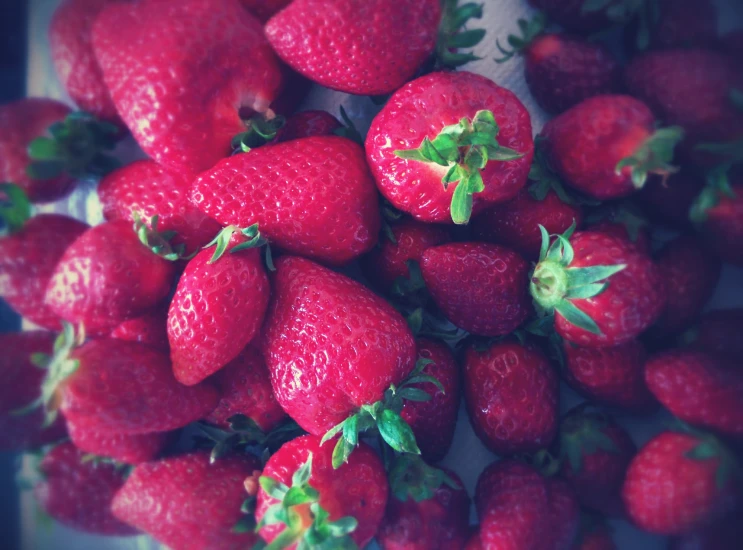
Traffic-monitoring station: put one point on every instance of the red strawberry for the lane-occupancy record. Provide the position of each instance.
(186, 502)
(606, 146)
(78, 493)
(74, 60)
(564, 516)
(218, 307)
(419, 148)
(106, 277)
(576, 15)
(245, 388)
(511, 393)
(212, 66)
(128, 449)
(21, 382)
(150, 329)
(330, 212)
(696, 480)
(342, 504)
(376, 45)
(613, 375)
(718, 332)
(308, 124)
(701, 389)
(603, 290)
(718, 214)
(668, 201)
(481, 288)
(146, 189)
(264, 9)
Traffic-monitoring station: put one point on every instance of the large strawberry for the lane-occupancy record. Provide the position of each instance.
(718, 214)
(310, 196)
(127, 449)
(481, 288)
(304, 499)
(448, 143)
(511, 392)
(718, 332)
(151, 329)
(185, 501)
(183, 73)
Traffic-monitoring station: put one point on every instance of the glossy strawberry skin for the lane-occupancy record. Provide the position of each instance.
(691, 497)
(719, 332)
(698, 388)
(149, 189)
(310, 196)
(564, 515)
(191, 92)
(128, 388)
(331, 344)
(21, 386)
(481, 288)
(264, 9)
(722, 229)
(127, 449)
(150, 329)
(377, 45)
(27, 261)
(308, 124)
(422, 108)
(78, 494)
(23, 121)
(185, 502)
(668, 202)
(511, 392)
(357, 488)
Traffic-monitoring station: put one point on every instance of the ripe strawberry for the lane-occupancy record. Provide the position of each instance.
(511, 392)
(265, 9)
(420, 146)
(78, 493)
(697, 480)
(701, 389)
(308, 124)
(185, 502)
(718, 332)
(607, 145)
(213, 66)
(330, 213)
(146, 189)
(107, 276)
(668, 201)
(564, 516)
(718, 213)
(150, 329)
(336, 504)
(603, 290)
(481, 288)
(127, 449)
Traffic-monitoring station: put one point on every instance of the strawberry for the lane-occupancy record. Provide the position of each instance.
(107, 276)
(146, 189)
(607, 145)
(564, 515)
(329, 505)
(421, 146)
(78, 493)
(511, 392)
(330, 213)
(265, 9)
(603, 290)
(718, 332)
(699, 388)
(128, 449)
(718, 214)
(150, 329)
(218, 306)
(185, 502)
(696, 474)
(212, 66)
(481, 288)
(21, 386)
(668, 200)
(308, 124)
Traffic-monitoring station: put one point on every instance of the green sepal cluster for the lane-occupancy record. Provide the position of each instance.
(554, 284)
(453, 34)
(729, 468)
(15, 208)
(582, 434)
(159, 242)
(321, 533)
(621, 12)
(423, 324)
(529, 29)
(411, 478)
(349, 130)
(717, 187)
(260, 129)
(76, 147)
(246, 523)
(410, 285)
(464, 149)
(654, 156)
(390, 216)
(254, 240)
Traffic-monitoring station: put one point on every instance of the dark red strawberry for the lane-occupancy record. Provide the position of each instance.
(675, 24)
(127, 449)
(346, 504)
(699, 388)
(308, 124)
(668, 200)
(481, 288)
(186, 502)
(718, 332)
(564, 516)
(264, 9)
(311, 196)
(697, 478)
(150, 329)
(78, 493)
(718, 214)
(213, 66)
(511, 392)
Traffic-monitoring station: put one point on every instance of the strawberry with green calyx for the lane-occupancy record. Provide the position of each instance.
(453, 34)
(621, 220)
(260, 129)
(530, 29)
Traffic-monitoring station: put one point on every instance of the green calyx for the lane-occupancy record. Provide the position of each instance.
(159, 242)
(554, 284)
(253, 237)
(291, 511)
(654, 156)
(15, 208)
(77, 147)
(710, 448)
(453, 34)
(529, 29)
(464, 149)
(348, 130)
(717, 187)
(582, 434)
(260, 129)
(411, 478)
(624, 213)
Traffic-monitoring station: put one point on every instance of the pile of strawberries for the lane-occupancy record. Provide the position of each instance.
(265, 343)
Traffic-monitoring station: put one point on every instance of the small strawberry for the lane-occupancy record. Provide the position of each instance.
(511, 392)
(668, 200)
(449, 143)
(718, 332)
(150, 329)
(265, 9)
(330, 212)
(481, 288)
(184, 501)
(127, 449)
(308, 124)
(698, 483)
(718, 214)
(305, 501)
(699, 388)
(564, 516)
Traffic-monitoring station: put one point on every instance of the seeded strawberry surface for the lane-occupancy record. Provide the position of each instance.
(127, 449)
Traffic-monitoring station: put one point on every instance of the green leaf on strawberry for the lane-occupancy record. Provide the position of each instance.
(254, 239)
(260, 129)
(529, 29)
(15, 208)
(410, 477)
(654, 156)
(453, 35)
